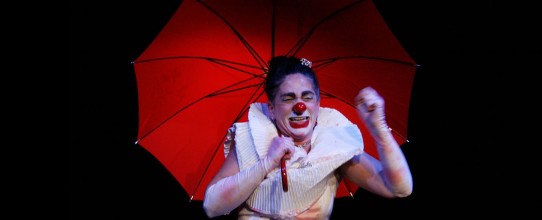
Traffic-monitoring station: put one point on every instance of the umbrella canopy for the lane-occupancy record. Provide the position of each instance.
(208, 64)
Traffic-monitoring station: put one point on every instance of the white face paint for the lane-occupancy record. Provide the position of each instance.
(296, 88)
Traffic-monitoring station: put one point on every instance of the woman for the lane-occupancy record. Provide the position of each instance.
(319, 146)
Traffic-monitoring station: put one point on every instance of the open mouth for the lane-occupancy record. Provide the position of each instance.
(294, 119)
(299, 122)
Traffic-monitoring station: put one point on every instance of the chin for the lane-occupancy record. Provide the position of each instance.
(300, 132)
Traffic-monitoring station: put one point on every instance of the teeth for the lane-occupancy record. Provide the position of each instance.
(299, 118)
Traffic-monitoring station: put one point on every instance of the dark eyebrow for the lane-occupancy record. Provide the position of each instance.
(307, 93)
(288, 94)
(291, 94)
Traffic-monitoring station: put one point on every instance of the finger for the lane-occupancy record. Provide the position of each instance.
(368, 105)
(371, 107)
(288, 152)
(360, 101)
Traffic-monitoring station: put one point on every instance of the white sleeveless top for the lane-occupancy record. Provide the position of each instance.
(312, 181)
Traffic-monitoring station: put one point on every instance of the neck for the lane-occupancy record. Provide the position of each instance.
(302, 145)
(297, 144)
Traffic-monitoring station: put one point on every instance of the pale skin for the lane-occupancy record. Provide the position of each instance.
(388, 177)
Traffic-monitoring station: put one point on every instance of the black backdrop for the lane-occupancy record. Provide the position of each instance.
(454, 120)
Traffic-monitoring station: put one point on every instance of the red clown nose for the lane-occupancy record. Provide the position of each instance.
(299, 108)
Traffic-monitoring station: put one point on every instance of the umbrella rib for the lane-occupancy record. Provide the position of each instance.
(336, 97)
(251, 100)
(223, 63)
(214, 60)
(207, 168)
(250, 49)
(215, 93)
(305, 38)
(224, 90)
(232, 90)
(244, 109)
(323, 62)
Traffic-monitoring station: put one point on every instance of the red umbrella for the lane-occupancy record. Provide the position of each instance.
(208, 63)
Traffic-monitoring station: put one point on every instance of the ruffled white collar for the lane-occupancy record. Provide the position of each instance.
(335, 140)
(263, 130)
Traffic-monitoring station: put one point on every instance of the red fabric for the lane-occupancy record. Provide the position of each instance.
(197, 54)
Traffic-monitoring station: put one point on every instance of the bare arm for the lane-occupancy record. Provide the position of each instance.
(230, 187)
(390, 175)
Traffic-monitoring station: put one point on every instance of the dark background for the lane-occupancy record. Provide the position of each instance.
(455, 127)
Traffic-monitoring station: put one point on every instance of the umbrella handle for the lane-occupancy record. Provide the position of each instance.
(283, 169)
(284, 176)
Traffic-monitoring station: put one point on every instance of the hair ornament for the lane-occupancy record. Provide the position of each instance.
(306, 62)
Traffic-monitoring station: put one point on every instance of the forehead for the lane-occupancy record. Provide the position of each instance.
(296, 82)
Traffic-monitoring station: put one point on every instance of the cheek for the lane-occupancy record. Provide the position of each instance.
(284, 110)
(313, 109)
(270, 110)
(275, 112)
(314, 114)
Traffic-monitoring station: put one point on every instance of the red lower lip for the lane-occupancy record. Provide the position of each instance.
(299, 125)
